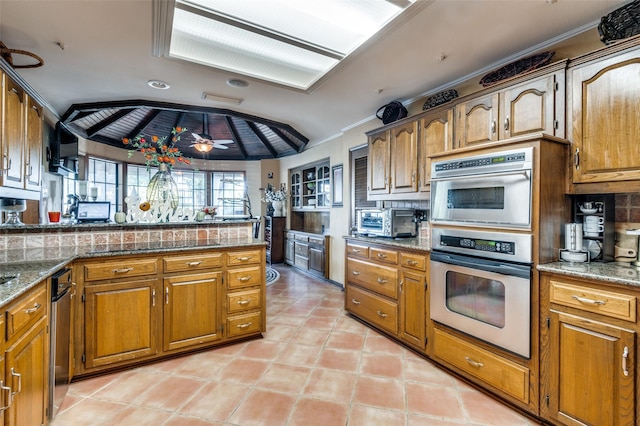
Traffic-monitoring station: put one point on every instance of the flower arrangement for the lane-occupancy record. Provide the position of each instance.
(158, 150)
(270, 195)
(208, 210)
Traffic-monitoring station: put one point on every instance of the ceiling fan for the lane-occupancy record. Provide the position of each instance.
(204, 142)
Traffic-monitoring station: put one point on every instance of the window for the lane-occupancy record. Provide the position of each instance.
(191, 185)
(230, 193)
(103, 175)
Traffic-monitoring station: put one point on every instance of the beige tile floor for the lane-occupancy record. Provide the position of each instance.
(314, 366)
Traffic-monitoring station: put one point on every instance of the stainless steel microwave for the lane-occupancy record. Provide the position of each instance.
(393, 223)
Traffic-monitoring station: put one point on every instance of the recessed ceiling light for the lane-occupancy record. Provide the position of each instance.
(157, 84)
(236, 82)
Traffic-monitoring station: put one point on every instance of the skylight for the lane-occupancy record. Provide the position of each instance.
(287, 42)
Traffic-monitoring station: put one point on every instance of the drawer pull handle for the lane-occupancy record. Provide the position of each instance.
(589, 301)
(245, 325)
(166, 295)
(355, 301)
(243, 302)
(382, 280)
(412, 262)
(356, 273)
(474, 363)
(6, 396)
(625, 355)
(381, 314)
(19, 376)
(121, 271)
(243, 279)
(194, 263)
(355, 250)
(244, 259)
(382, 256)
(34, 309)
(153, 297)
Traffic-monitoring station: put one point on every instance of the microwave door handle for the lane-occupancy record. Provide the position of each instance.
(499, 268)
(525, 173)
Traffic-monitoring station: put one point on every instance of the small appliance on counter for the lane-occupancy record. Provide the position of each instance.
(574, 250)
(392, 223)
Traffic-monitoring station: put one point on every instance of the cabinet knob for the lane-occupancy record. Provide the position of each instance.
(382, 280)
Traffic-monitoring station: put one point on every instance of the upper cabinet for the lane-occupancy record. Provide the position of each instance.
(379, 164)
(603, 105)
(404, 158)
(21, 140)
(311, 186)
(533, 106)
(435, 136)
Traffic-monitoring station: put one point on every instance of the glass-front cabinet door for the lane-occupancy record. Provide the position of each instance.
(323, 186)
(296, 193)
(311, 186)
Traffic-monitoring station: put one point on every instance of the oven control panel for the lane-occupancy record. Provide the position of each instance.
(495, 246)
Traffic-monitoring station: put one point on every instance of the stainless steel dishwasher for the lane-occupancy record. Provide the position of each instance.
(61, 291)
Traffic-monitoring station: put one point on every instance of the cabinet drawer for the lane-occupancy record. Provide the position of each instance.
(507, 376)
(356, 250)
(301, 261)
(244, 277)
(384, 255)
(192, 263)
(381, 279)
(120, 269)
(316, 240)
(302, 249)
(243, 300)
(603, 302)
(372, 308)
(243, 257)
(299, 237)
(413, 261)
(29, 308)
(244, 324)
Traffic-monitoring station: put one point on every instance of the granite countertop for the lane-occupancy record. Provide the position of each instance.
(612, 272)
(36, 264)
(406, 243)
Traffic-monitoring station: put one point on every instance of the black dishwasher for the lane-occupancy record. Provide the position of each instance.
(61, 292)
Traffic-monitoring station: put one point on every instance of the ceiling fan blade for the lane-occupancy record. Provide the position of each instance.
(215, 145)
(223, 141)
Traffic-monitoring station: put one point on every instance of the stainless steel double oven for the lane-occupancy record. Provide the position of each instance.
(481, 247)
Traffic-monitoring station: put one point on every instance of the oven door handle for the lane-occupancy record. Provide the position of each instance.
(525, 173)
(521, 271)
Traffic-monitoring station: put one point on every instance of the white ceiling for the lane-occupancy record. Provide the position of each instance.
(106, 54)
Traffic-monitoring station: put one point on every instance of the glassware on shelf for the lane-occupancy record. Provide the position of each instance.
(13, 206)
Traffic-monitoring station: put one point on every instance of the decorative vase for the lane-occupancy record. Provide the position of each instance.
(278, 208)
(162, 188)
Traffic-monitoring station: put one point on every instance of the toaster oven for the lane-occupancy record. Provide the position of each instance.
(393, 223)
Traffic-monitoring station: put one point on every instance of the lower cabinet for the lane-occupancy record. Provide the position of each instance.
(307, 252)
(121, 321)
(142, 308)
(23, 359)
(590, 374)
(190, 315)
(387, 288)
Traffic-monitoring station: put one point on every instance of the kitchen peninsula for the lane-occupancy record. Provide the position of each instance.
(143, 292)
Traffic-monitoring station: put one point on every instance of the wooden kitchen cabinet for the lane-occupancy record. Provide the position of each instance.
(311, 186)
(603, 102)
(590, 374)
(387, 288)
(289, 248)
(13, 133)
(533, 106)
(404, 158)
(121, 321)
(379, 163)
(435, 136)
(308, 252)
(274, 237)
(25, 359)
(33, 145)
(191, 316)
(245, 298)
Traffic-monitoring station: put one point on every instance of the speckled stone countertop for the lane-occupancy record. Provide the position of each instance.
(613, 272)
(406, 243)
(33, 265)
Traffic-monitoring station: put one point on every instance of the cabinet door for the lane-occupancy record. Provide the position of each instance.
(26, 370)
(606, 123)
(529, 108)
(316, 260)
(13, 135)
(436, 135)
(404, 158)
(592, 372)
(477, 121)
(33, 146)
(289, 251)
(379, 166)
(413, 304)
(191, 310)
(296, 191)
(121, 321)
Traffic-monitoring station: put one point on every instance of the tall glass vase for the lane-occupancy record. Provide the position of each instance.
(162, 188)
